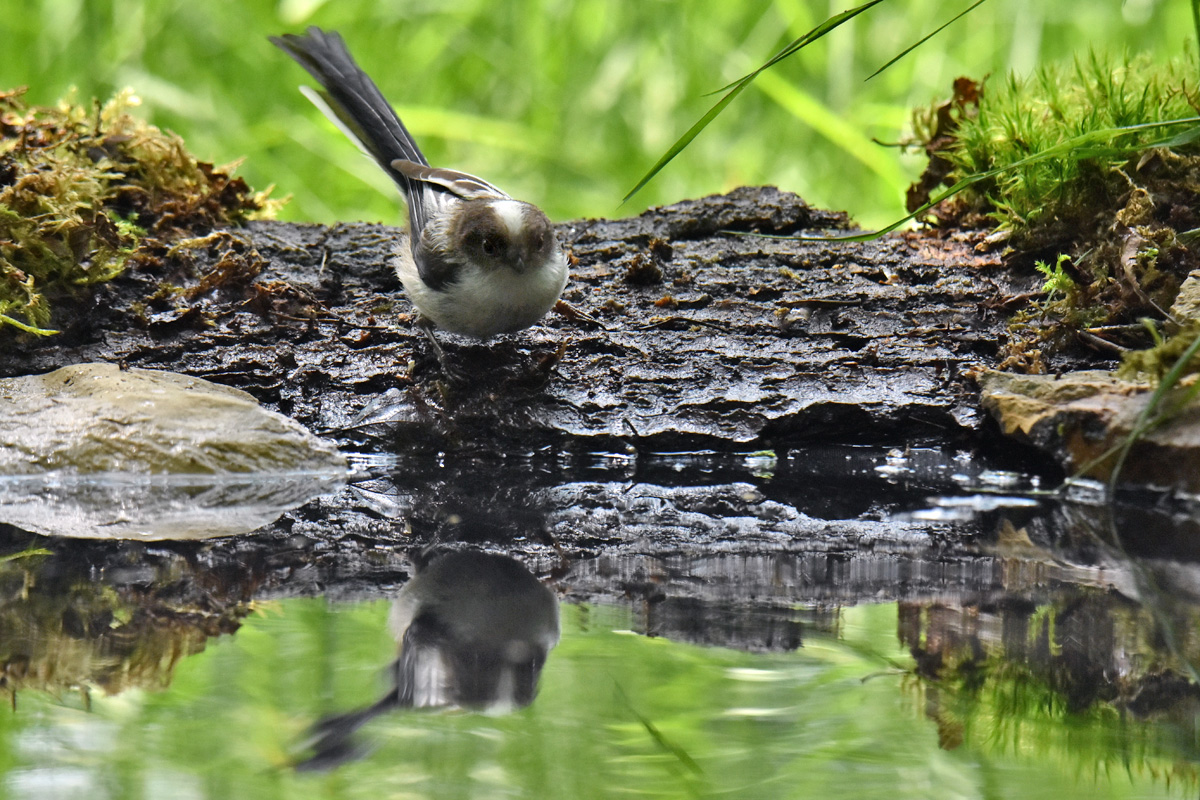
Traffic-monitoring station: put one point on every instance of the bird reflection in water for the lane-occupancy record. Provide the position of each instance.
(474, 631)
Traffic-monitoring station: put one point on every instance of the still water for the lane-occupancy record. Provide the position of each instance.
(966, 643)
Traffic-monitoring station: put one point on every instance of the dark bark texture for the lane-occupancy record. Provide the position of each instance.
(708, 336)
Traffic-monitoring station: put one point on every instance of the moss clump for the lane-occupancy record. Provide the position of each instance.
(86, 190)
(1154, 363)
(1118, 205)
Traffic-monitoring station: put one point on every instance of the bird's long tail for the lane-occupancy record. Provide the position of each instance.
(354, 103)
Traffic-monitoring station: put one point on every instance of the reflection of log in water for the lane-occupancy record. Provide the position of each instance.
(80, 616)
(1075, 613)
(1002, 671)
(725, 555)
(474, 630)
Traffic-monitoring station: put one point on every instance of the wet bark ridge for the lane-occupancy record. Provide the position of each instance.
(711, 337)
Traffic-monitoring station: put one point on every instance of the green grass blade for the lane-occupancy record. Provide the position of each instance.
(687, 138)
(1196, 22)
(926, 38)
(33, 551)
(659, 738)
(1154, 414)
(7, 320)
(1180, 139)
(735, 88)
(805, 40)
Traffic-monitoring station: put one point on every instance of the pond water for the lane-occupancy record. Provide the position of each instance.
(853, 623)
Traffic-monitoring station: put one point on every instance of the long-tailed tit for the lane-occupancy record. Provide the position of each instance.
(479, 262)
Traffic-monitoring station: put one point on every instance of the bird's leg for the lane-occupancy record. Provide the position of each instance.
(452, 373)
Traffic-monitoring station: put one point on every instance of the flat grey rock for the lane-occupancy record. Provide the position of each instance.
(92, 450)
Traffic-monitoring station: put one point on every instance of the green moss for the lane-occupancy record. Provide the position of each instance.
(1021, 117)
(85, 190)
(1155, 362)
(1116, 204)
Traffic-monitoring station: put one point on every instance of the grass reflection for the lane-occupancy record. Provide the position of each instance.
(618, 714)
(1081, 680)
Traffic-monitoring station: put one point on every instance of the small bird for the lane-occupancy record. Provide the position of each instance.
(479, 262)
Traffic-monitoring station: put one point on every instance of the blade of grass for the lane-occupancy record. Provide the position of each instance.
(1150, 417)
(661, 740)
(1154, 414)
(33, 551)
(7, 320)
(735, 88)
(1196, 23)
(926, 38)
(801, 42)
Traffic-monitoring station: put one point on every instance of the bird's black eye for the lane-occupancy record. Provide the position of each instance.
(489, 246)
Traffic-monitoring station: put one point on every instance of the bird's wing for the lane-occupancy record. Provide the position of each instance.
(468, 187)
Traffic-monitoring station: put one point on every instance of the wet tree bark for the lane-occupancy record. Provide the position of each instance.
(701, 335)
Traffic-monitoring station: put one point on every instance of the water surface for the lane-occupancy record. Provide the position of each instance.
(914, 626)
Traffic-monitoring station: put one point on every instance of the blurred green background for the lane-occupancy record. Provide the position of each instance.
(566, 103)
